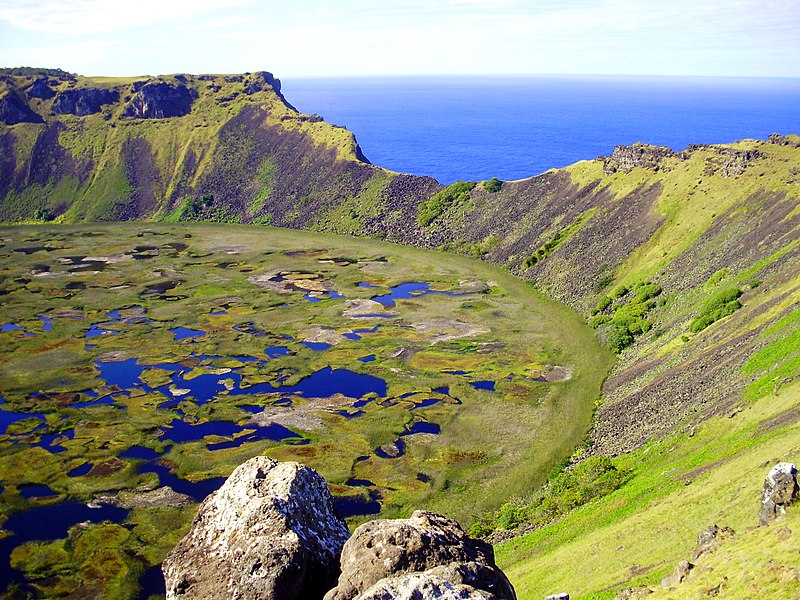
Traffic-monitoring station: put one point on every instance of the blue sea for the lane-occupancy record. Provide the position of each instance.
(455, 128)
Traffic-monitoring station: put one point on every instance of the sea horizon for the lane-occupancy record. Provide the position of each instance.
(516, 126)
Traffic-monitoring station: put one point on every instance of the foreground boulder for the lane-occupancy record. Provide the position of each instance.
(780, 490)
(269, 532)
(425, 556)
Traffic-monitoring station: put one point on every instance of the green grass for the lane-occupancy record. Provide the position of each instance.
(725, 462)
(453, 195)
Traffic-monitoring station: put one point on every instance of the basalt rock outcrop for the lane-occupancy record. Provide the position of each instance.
(269, 532)
(82, 102)
(427, 552)
(14, 110)
(626, 158)
(780, 491)
(41, 89)
(159, 100)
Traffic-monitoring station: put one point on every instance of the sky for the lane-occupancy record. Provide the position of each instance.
(316, 38)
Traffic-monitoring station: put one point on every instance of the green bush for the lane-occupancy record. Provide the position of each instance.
(598, 320)
(565, 491)
(602, 304)
(493, 185)
(620, 291)
(646, 291)
(628, 318)
(721, 304)
(431, 209)
(509, 516)
(618, 336)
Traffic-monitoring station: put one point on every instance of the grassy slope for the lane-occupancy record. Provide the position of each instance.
(701, 471)
(682, 484)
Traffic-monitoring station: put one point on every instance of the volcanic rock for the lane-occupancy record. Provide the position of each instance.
(382, 555)
(680, 574)
(82, 102)
(14, 110)
(159, 100)
(780, 490)
(41, 89)
(626, 158)
(708, 539)
(269, 532)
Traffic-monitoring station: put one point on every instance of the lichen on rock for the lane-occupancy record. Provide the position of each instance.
(270, 532)
(382, 553)
(780, 490)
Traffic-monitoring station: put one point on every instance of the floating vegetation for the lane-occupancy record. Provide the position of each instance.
(128, 369)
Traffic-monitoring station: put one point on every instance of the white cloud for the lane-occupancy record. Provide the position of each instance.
(102, 16)
(352, 37)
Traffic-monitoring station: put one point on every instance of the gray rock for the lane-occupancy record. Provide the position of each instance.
(160, 100)
(428, 545)
(708, 539)
(681, 573)
(40, 89)
(269, 532)
(780, 490)
(83, 101)
(638, 155)
(414, 586)
(14, 109)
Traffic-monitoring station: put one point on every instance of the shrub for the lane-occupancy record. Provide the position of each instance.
(603, 304)
(646, 291)
(42, 214)
(509, 516)
(721, 304)
(493, 185)
(618, 336)
(598, 320)
(568, 489)
(620, 291)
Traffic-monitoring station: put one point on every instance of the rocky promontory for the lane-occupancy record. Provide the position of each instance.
(271, 532)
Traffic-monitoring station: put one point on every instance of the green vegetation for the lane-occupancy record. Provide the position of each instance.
(690, 428)
(678, 485)
(36, 72)
(621, 317)
(558, 238)
(265, 178)
(493, 185)
(721, 304)
(474, 249)
(452, 195)
(569, 489)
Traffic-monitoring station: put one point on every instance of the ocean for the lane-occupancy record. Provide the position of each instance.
(453, 128)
